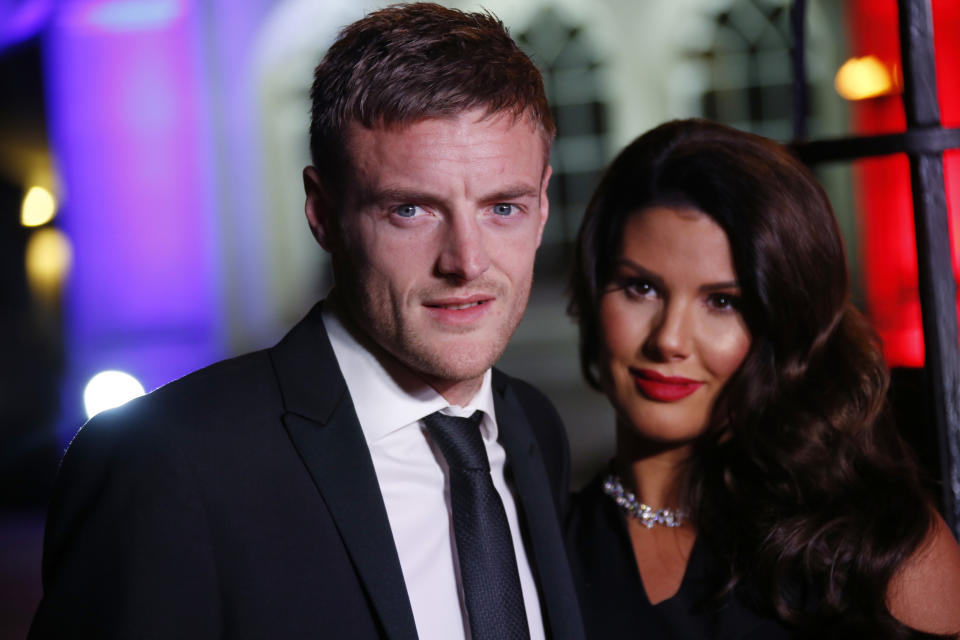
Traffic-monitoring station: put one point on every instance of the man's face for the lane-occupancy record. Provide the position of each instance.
(434, 241)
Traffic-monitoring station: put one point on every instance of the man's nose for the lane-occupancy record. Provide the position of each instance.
(463, 254)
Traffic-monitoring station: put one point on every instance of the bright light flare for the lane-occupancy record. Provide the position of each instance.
(38, 208)
(109, 389)
(866, 77)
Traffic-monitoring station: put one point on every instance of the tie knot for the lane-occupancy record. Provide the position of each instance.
(459, 440)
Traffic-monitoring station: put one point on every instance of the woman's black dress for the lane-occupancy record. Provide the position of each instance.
(614, 602)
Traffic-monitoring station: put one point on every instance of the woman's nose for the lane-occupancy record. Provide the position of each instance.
(669, 337)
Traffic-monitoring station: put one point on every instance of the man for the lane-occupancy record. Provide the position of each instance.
(332, 486)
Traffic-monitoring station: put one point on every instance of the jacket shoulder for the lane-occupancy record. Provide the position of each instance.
(547, 428)
(538, 407)
(210, 396)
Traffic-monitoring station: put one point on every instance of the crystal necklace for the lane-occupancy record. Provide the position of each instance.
(647, 515)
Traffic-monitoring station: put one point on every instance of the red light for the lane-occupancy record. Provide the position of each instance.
(883, 184)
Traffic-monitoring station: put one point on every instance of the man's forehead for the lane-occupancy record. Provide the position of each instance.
(467, 118)
(365, 145)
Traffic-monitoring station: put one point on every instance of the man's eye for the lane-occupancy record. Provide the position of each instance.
(503, 209)
(407, 210)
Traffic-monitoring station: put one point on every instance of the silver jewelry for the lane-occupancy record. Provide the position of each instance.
(647, 515)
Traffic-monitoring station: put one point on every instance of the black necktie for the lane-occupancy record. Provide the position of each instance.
(488, 565)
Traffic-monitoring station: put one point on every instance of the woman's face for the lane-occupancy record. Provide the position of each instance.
(671, 330)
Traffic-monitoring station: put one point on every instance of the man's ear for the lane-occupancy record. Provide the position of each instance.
(319, 207)
(544, 201)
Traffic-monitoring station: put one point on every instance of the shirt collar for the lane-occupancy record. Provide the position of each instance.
(387, 396)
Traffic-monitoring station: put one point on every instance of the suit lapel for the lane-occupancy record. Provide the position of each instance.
(323, 426)
(545, 546)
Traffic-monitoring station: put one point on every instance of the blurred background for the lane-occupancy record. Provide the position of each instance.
(151, 201)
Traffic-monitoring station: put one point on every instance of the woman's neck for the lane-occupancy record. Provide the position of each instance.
(654, 472)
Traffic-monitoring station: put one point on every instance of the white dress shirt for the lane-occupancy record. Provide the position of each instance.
(412, 475)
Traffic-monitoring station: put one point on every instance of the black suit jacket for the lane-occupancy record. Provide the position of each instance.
(241, 502)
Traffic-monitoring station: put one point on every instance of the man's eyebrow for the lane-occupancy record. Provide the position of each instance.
(399, 195)
(405, 195)
(512, 192)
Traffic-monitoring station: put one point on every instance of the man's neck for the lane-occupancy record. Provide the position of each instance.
(459, 392)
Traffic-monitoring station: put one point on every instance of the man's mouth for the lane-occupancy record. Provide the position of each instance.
(459, 303)
(458, 306)
(462, 311)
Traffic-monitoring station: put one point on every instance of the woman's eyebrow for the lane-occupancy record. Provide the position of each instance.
(718, 286)
(657, 280)
(640, 270)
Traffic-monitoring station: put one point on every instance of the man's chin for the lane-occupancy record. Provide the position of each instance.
(455, 370)
(454, 361)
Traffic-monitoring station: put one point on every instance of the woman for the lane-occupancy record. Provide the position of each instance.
(759, 488)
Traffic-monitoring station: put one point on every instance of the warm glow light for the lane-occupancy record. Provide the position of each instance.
(39, 207)
(862, 78)
(48, 258)
(109, 389)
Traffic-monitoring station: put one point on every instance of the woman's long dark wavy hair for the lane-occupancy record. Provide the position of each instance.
(801, 480)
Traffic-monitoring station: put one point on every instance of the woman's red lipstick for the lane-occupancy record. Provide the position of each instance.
(663, 388)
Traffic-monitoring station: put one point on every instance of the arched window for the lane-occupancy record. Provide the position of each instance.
(749, 68)
(572, 76)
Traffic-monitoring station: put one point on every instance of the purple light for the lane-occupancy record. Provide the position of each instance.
(129, 118)
(122, 15)
(21, 19)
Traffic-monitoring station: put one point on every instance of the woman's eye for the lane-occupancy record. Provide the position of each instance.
(503, 209)
(406, 210)
(723, 301)
(639, 289)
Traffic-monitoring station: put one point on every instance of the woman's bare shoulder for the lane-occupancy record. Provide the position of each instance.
(925, 591)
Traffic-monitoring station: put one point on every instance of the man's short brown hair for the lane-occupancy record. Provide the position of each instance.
(413, 61)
